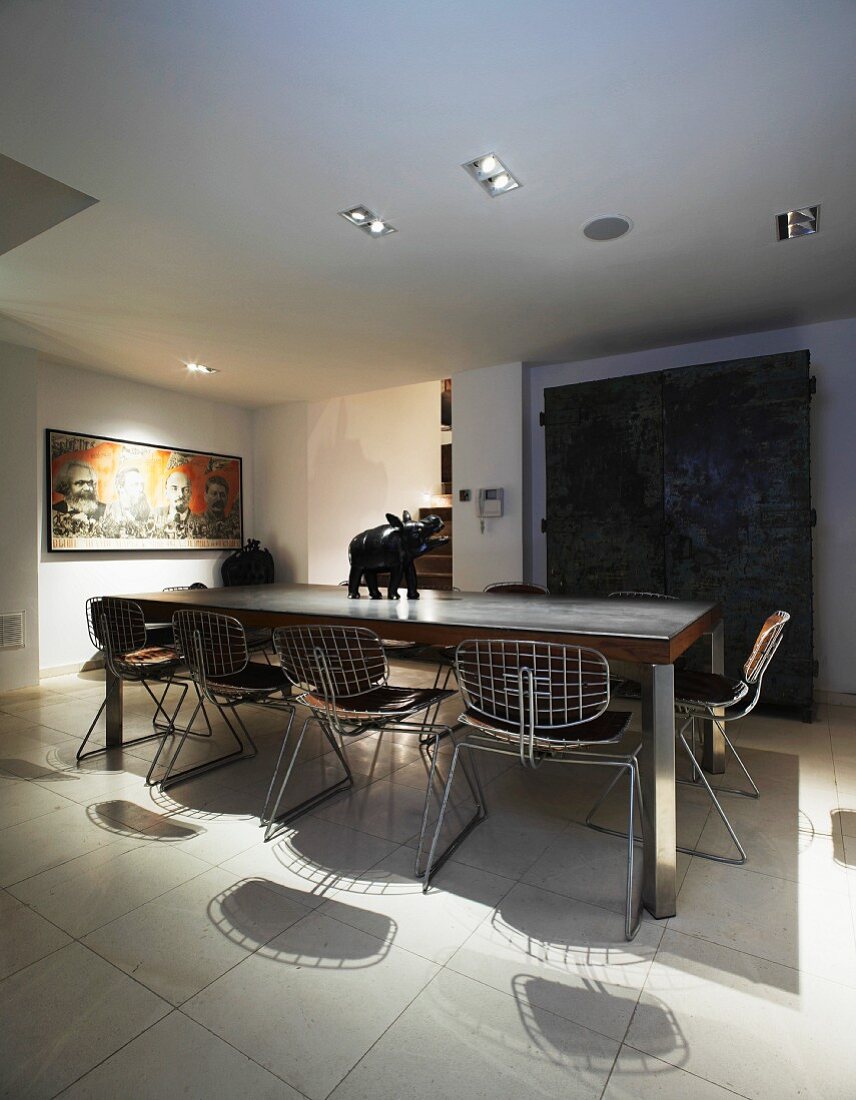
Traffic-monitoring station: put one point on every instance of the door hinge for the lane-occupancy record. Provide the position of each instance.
(815, 668)
(543, 527)
(542, 419)
(812, 385)
(812, 518)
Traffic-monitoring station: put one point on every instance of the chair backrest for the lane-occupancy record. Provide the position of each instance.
(540, 685)
(212, 644)
(517, 588)
(337, 662)
(116, 626)
(768, 641)
(633, 594)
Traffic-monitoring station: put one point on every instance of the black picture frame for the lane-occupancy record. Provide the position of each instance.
(127, 508)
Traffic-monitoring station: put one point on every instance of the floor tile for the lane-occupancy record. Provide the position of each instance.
(177, 1057)
(34, 846)
(95, 889)
(460, 1039)
(383, 809)
(181, 941)
(312, 858)
(638, 1076)
(749, 1025)
(23, 801)
(63, 1015)
(504, 843)
(320, 979)
(568, 957)
(772, 918)
(587, 865)
(433, 925)
(26, 937)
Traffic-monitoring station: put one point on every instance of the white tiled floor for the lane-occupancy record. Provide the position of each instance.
(153, 946)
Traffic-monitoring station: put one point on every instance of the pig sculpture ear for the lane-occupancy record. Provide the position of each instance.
(406, 516)
(394, 521)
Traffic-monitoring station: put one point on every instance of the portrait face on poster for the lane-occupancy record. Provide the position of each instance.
(114, 494)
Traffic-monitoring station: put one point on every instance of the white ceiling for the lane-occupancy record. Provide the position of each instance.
(222, 136)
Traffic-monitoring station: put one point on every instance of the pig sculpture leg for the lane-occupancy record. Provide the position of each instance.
(371, 582)
(354, 578)
(394, 582)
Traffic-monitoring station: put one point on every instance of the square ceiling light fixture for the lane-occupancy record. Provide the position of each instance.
(489, 171)
(797, 223)
(368, 221)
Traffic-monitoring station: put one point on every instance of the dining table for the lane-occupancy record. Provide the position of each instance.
(649, 633)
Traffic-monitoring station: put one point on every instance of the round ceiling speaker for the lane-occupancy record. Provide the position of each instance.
(607, 227)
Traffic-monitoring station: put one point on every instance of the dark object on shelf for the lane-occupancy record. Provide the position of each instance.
(249, 565)
(693, 482)
(393, 547)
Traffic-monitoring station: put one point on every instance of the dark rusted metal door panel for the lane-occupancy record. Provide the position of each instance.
(604, 448)
(738, 505)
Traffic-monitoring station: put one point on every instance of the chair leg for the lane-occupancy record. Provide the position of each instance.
(435, 862)
(171, 777)
(717, 805)
(729, 745)
(275, 819)
(81, 755)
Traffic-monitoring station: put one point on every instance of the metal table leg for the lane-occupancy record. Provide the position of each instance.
(657, 767)
(713, 743)
(113, 687)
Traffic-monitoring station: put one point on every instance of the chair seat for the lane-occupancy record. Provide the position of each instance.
(605, 729)
(254, 679)
(707, 689)
(386, 701)
(151, 657)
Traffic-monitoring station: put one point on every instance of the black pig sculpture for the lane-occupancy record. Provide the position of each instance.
(392, 548)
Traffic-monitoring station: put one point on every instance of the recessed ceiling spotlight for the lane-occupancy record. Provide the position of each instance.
(200, 368)
(797, 223)
(368, 221)
(607, 227)
(489, 171)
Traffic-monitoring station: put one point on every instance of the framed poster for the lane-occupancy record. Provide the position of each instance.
(114, 494)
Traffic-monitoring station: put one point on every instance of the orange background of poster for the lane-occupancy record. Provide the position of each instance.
(107, 458)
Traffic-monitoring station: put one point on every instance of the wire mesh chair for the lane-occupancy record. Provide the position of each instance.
(344, 676)
(117, 629)
(538, 702)
(215, 649)
(709, 695)
(516, 588)
(258, 639)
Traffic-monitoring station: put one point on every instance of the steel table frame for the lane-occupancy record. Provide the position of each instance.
(651, 634)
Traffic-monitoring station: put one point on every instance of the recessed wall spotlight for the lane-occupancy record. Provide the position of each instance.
(200, 368)
(607, 227)
(489, 171)
(368, 221)
(797, 223)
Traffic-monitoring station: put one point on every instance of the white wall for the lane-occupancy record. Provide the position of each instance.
(487, 414)
(367, 455)
(80, 400)
(832, 346)
(281, 487)
(19, 531)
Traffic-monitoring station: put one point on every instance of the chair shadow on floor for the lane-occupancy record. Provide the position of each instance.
(533, 995)
(241, 913)
(129, 819)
